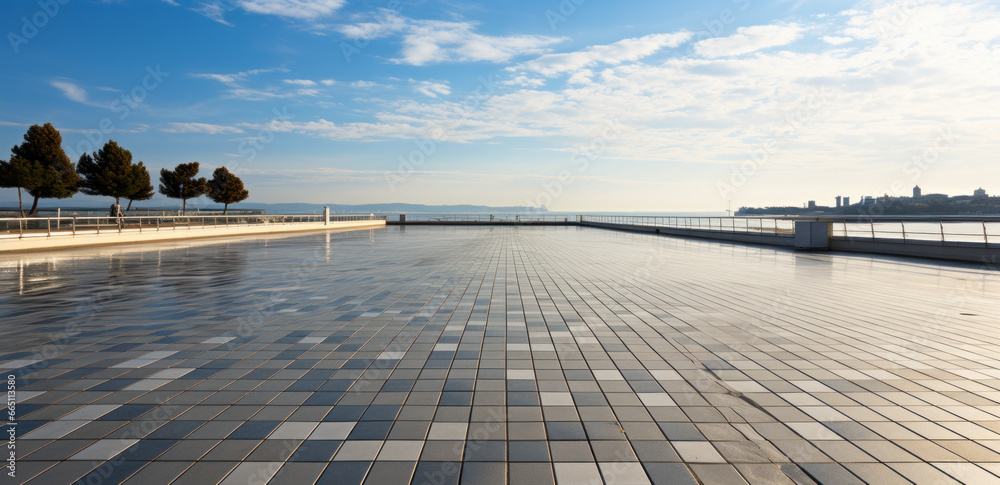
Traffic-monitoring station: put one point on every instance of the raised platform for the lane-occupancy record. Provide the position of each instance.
(133, 234)
(522, 355)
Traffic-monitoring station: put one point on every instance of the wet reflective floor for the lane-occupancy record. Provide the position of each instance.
(444, 355)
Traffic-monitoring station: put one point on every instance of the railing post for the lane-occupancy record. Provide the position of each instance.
(871, 222)
(48, 226)
(902, 228)
(941, 223)
(986, 235)
(74, 225)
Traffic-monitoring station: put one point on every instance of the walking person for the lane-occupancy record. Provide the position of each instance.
(116, 212)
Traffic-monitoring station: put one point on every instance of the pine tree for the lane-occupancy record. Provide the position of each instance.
(52, 174)
(110, 172)
(180, 183)
(226, 188)
(19, 174)
(140, 181)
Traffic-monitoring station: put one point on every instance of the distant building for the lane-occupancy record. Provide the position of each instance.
(847, 201)
(867, 200)
(838, 200)
(979, 192)
(916, 191)
(812, 204)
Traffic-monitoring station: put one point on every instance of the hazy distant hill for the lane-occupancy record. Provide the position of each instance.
(288, 208)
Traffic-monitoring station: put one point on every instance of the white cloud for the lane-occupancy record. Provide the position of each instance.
(431, 88)
(363, 84)
(627, 50)
(71, 91)
(296, 9)
(435, 41)
(236, 79)
(834, 40)
(749, 39)
(200, 128)
(328, 82)
(300, 82)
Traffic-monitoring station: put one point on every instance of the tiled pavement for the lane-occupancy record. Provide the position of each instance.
(443, 355)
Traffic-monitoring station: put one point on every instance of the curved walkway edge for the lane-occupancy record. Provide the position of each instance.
(135, 236)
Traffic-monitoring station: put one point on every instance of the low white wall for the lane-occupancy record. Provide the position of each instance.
(147, 235)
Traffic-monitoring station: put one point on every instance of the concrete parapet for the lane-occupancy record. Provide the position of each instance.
(135, 236)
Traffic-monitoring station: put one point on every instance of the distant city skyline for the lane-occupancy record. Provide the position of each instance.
(578, 105)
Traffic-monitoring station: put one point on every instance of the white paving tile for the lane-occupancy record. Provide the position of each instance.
(814, 431)
(171, 373)
(55, 430)
(17, 364)
(745, 386)
(103, 450)
(218, 340)
(293, 430)
(666, 375)
(90, 412)
(578, 474)
(445, 347)
(608, 375)
(448, 431)
(401, 450)
(145, 359)
(622, 473)
(391, 355)
(697, 452)
(656, 399)
(312, 340)
(252, 473)
(556, 398)
(332, 431)
(526, 374)
(358, 450)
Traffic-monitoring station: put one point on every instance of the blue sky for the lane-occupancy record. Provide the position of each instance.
(580, 105)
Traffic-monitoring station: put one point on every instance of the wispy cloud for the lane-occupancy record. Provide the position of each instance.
(627, 50)
(296, 9)
(200, 128)
(431, 88)
(426, 42)
(71, 91)
(749, 39)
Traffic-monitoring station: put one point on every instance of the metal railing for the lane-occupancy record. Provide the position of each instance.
(499, 218)
(778, 226)
(72, 226)
(983, 230)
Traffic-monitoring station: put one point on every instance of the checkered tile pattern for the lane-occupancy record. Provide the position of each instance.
(446, 355)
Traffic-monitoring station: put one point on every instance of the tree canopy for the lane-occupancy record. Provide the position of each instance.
(110, 172)
(19, 174)
(140, 181)
(46, 171)
(226, 188)
(180, 183)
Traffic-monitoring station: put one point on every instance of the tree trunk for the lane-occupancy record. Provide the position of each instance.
(20, 206)
(184, 204)
(34, 208)
(129, 206)
(225, 209)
